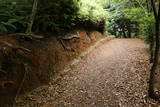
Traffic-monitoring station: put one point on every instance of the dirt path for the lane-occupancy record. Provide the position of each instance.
(113, 75)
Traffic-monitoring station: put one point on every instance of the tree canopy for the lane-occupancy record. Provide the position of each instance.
(123, 18)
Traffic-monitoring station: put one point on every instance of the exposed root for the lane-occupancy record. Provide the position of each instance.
(70, 36)
(28, 35)
(4, 83)
(26, 69)
(14, 46)
(64, 45)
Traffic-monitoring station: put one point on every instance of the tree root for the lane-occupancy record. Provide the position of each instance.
(64, 46)
(16, 47)
(2, 71)
(28, 35)
(4, 83)
(154, 96)
(70, 36)
(26, 69)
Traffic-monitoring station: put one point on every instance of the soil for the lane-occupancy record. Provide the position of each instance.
(26, 70)
(115, 74)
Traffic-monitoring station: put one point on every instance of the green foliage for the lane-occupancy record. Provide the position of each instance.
(147, 28)
(11, 25)
(117, 17)
(92, 10)
(119, 24)
(134, 13)
(67, 14)
(57, 16)
(130, 16)
(52, 15)
(11, 18)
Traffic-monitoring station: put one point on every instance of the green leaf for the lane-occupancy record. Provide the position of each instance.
(12, 21)
(14, 3)
(3, 28)
(8, 24)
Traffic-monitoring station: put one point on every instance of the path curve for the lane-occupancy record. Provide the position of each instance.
(115, 74)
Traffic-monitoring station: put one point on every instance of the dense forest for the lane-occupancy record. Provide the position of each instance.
(32, 22)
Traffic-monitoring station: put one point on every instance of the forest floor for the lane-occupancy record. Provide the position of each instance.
(113, 75)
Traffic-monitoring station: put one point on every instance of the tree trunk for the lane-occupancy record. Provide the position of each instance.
(149, 7)
(129, 33)
(151, 92)
(32, 17)
(152, 45)
(124, 33)
(152, 38)
(155, 64)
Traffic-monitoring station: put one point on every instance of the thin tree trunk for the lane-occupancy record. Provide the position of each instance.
(149, 7)
(124, 34)
(155, 65)
(152, 45)
(32, 17)
(141, 5)
(156, 53)
(152, 39)
(129, 33)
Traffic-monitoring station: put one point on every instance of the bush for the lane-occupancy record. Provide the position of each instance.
(129, 20)
(92, 10)
(52, 15)
(57, 16)
(147, 28)
(12, 17)
(92, 14)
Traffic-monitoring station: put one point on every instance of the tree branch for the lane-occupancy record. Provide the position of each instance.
(159, 11)
(15, 46)
(154, 9)
(145, 11)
